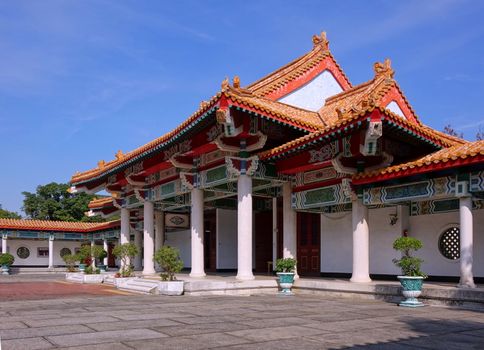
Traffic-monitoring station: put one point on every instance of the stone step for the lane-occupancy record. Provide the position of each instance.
(137, 285)
(75, 277)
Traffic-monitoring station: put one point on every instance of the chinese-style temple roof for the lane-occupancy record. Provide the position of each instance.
(64, 226)
(354, 115)
(100, 202)
(278, 83)
(455, 156)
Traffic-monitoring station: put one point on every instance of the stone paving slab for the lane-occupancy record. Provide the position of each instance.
(71, 319)
(44, 331)
(150, 323)
(26, 344)
(104, 337)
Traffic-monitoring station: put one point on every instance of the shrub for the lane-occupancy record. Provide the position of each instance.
(70, 261)
(102, 255)
(90, 270)
(409, 264)
(6, 259)
(285, 265)
(169, 260)
(125, 252)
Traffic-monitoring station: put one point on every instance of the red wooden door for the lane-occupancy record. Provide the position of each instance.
(111, 258)
(308, 244)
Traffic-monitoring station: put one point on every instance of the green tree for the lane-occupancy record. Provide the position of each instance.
(125, 252)
(169, 260)
(6, 214)
(54, 202)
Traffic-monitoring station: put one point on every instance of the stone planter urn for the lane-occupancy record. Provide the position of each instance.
(286, 280)
(102, 267)
(5, 270)
(82, 268)
(411, 290)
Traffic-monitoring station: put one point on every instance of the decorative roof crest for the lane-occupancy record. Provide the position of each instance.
(321, 40)
(119, 155)
(101, 164)
(203, 104)
(340, 111)
(236, 82)
(384, 69)
(225, 83)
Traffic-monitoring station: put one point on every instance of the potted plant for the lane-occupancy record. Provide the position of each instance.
(412, 277)
(102, 256)
(125, 252)
(285, 271)
(70, 261)
(84, 256)
(6, 260)
(169, 260)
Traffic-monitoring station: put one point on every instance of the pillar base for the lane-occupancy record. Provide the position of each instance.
(149, 272)
(466, 285)
(245, 277)
(197, 274)
(360, 279)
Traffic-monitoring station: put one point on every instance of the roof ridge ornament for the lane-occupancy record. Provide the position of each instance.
(225, 83)
(236, 82)
(101, 164)
(321, 41)
(119, 155)
(384, 69)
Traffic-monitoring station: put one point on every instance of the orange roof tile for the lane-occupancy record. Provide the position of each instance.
(296, 68)
(65, 226)
(447, 157)
(100, 202)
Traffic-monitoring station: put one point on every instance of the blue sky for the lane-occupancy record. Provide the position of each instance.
(81, 79)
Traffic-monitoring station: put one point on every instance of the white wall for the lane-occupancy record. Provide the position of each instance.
(226, 239)
(313, 94)
(182, 241)
(428, 228)
(336, 242)
(32, 245)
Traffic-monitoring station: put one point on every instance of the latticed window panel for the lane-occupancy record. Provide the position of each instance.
(65, 251)
(23, 252)
(449, 243)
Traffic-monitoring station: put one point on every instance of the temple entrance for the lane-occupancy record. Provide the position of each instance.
(263, 240)
(308, 244)
(111, 257)
(210, 241)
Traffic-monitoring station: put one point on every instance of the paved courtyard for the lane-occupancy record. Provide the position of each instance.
(114, 321)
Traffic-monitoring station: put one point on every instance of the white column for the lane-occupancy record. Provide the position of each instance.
(4, 243)
(361, 243)
(93, 260)
(138, 242)
(124, 235)
(466, 238)
(198, 268)
(274, 231)
(148, 239)
(289, 219)
(51, 251)
(244, 228)
(159, 230)
(106, 248)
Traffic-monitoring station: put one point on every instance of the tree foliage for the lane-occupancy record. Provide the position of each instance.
(285, 265)
(6, 214)
(169, 260)
(125, 252)
(54, 202)
(409, 264)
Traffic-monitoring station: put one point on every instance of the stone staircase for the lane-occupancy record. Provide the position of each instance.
(137, 285)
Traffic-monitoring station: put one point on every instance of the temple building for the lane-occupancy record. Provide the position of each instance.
(301, 164)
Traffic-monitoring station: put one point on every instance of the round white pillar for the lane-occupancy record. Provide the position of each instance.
(159, 231)
(4, 243)
(198, 268)
(148, 239)
(244, 228)
(93, 260)
(124, 235)
(361, 243)
(289, 221)
(106, 248)
(274, 231)
(51, 251)
(466, 241)
(138, 242)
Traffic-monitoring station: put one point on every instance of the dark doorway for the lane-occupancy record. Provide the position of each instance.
(263, 240)
(308, 244)
(111, 259)
(210, 241)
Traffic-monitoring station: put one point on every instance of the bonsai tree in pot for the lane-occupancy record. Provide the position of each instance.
(169, 260)
(6, 260)
(70, 261)
(101, 257)
(84, 257)
(412, 277)
(285, 271)
(125, 252)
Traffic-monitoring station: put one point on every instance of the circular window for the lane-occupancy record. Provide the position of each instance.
(449, 243)
(23, 252)
(65, 251)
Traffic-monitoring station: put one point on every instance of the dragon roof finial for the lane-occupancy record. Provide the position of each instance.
(321, 41)
(384, 69)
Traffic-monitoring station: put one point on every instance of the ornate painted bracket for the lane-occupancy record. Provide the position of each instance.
(242, 166)
(373, 133)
